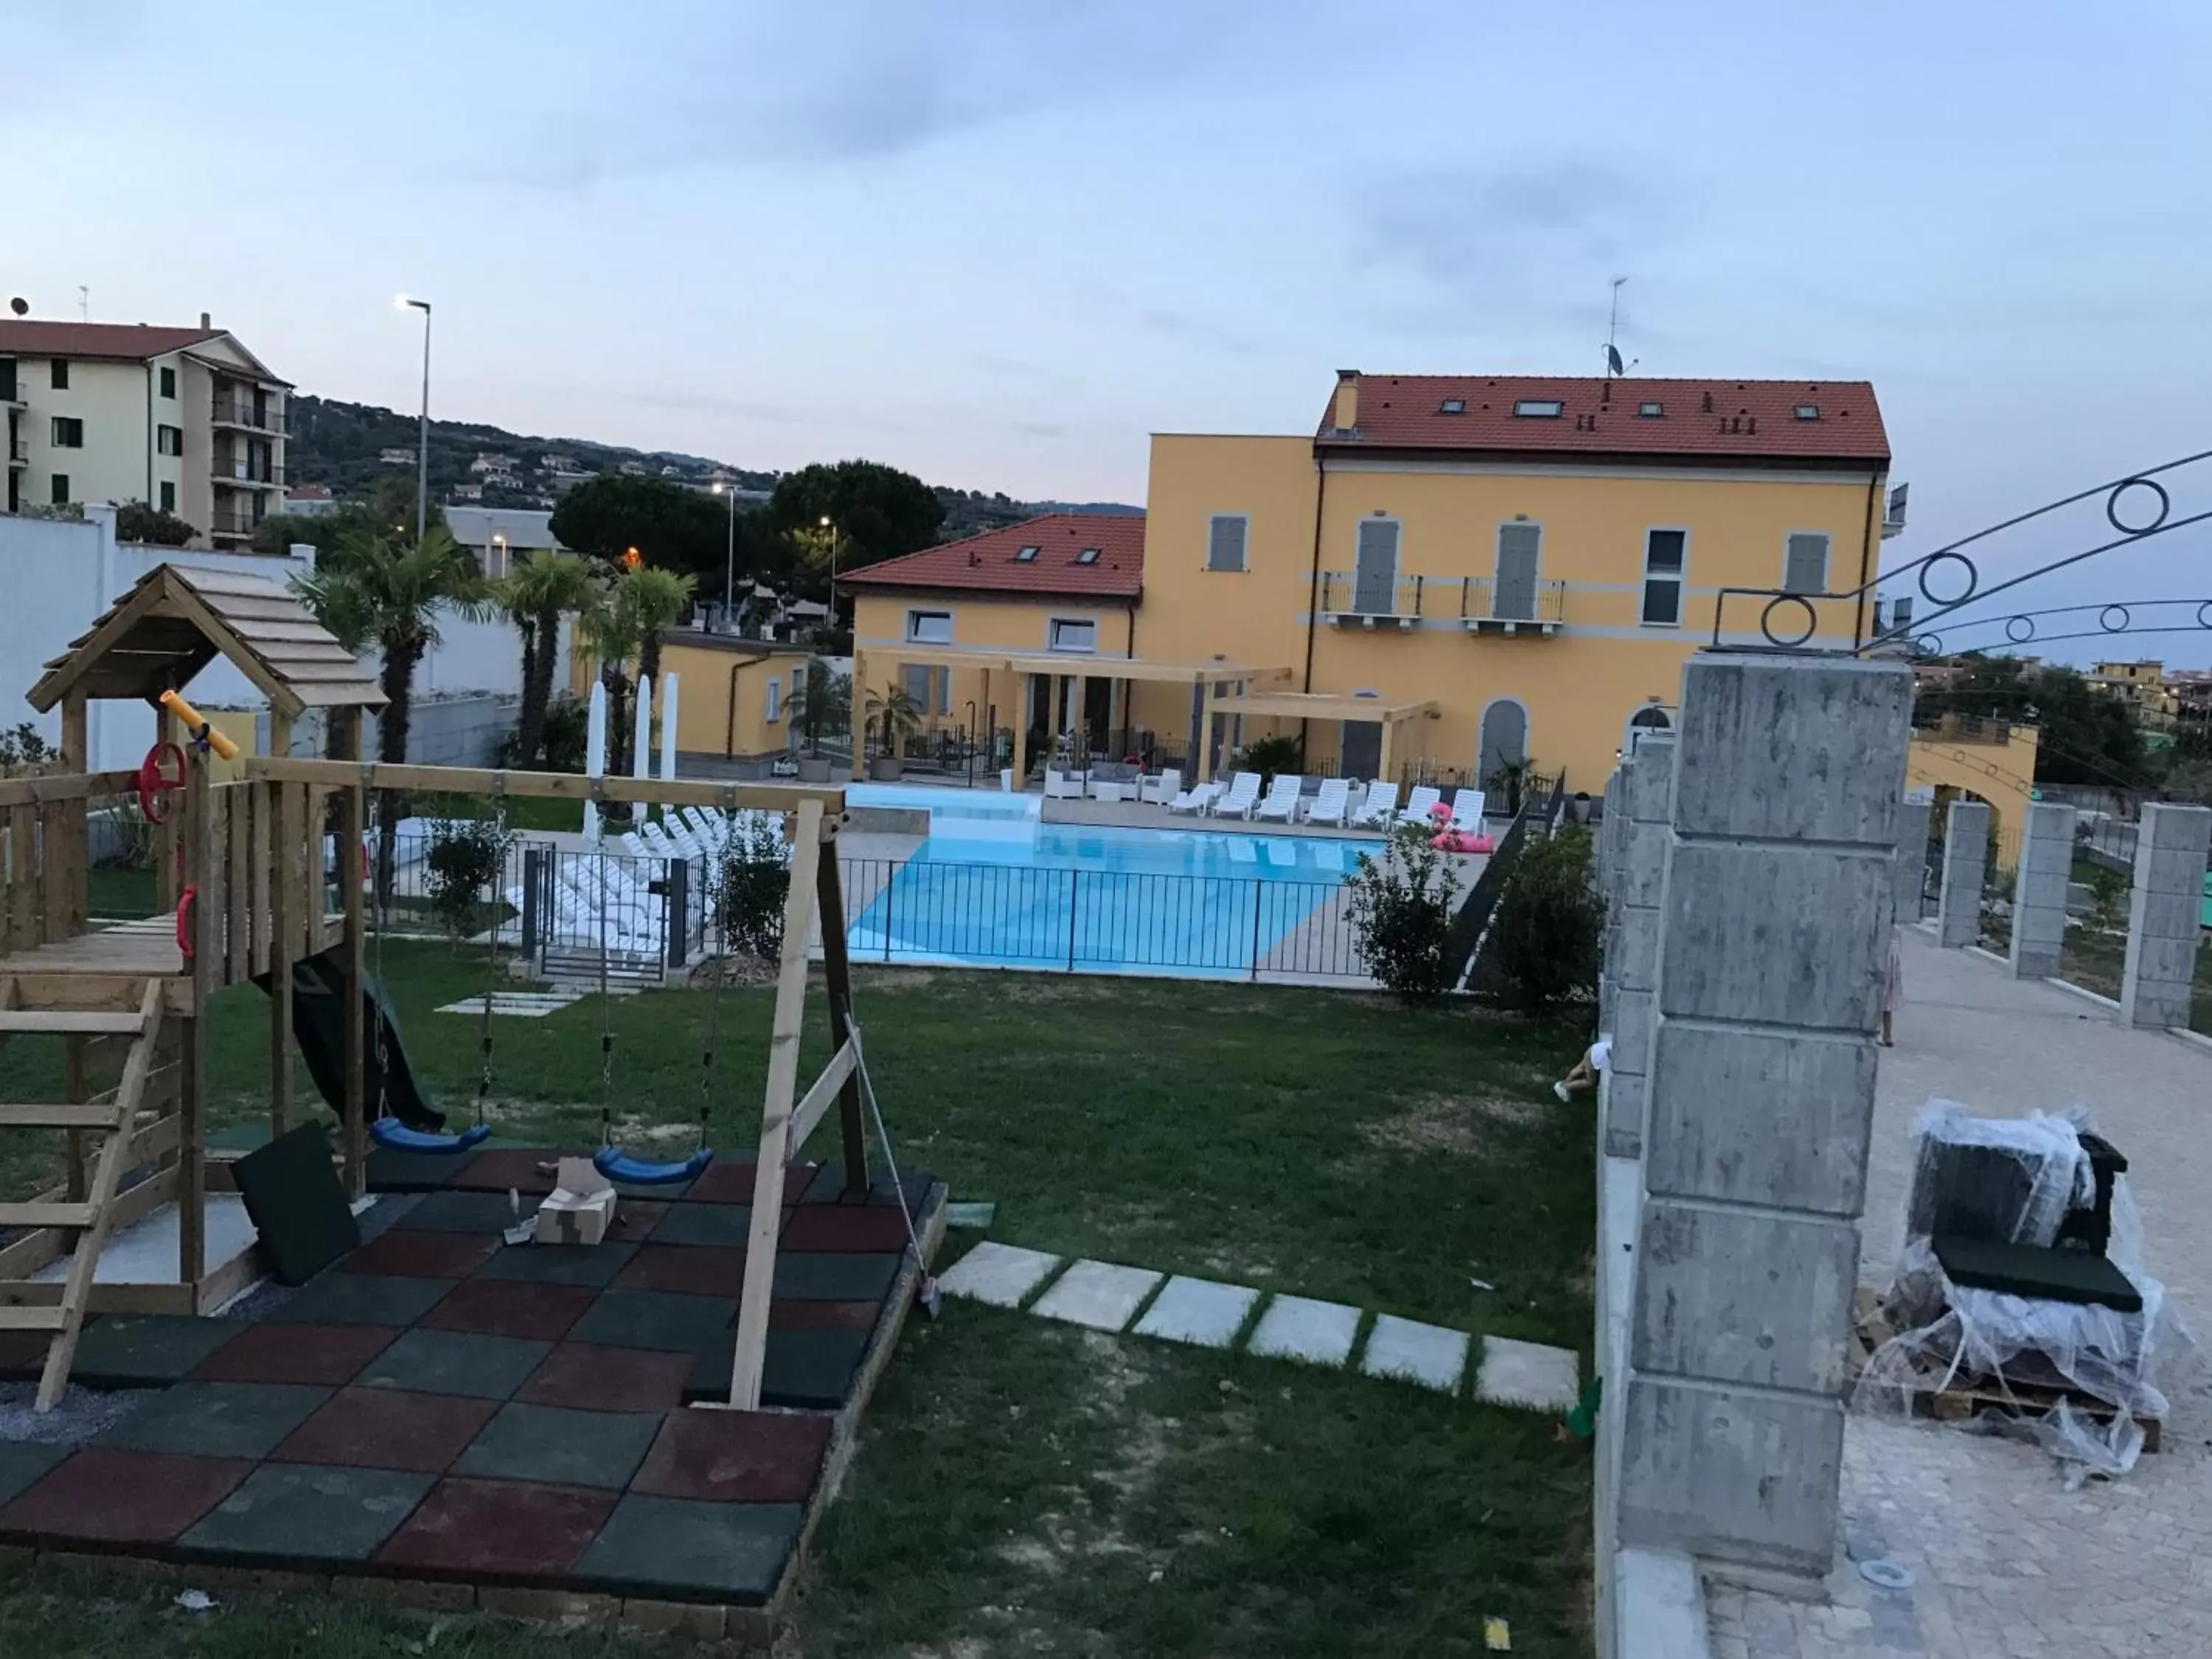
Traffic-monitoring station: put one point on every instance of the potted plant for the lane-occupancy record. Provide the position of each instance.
(897, 716)
(821, 702)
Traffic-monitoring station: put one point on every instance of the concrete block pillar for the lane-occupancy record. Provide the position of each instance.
(1966, 867)
(1648, 786)
(2164, 915)
(1912, 826)
(1775, 911)
(2038, 900)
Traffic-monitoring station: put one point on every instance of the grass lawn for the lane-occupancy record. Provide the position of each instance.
(1026, 1487)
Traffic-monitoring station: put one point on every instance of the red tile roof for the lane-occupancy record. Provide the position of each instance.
(126, 341)
(1749, 419)
(988, 563)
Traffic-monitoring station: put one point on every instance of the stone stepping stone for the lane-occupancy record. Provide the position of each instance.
(1427, 1354)
(1000, 1274)
(1299, 1328)
(1097, 1294)
(1198, 1310)
(1528, 1374)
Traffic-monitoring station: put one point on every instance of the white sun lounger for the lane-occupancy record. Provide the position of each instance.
(1282, 803)
(1419, 803)
(1466, 811)
(1198, 798)
(1378, 808)
(1244, 795)
(1330, 805)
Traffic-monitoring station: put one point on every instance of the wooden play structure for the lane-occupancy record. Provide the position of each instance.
(243, 878)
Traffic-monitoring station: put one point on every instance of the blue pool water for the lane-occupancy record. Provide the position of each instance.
(993, 884)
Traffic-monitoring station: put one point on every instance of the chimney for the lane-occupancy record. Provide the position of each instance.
(1345, 417)
(206, 321)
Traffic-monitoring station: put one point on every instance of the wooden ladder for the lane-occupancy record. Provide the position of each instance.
(116, 1121)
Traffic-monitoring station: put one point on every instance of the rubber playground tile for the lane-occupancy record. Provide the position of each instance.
(23, 1353)
(410, 1253)
(491, 1529)
(754, 1457)
(829, 1187)
(327, 1356)
(494, 1307)
(786, 1315)
(561, 1445)
(293, 1198)
(132, 1351)
(462, 1212)
(729, 1225)
(661, 1320)
(303, 1511)
(658, 1192)
(608, 1379)
(455, 1361)
(385, 1429)
(23, 1463)
(558, 1264)
(527, 1170)
(828, 1276)
(634, 1222)
(808, 1370)
(335, 1298)
(215, 1419)
(845, 1227)
(391, 1170)
(105, 1495)
(691, 1269)
(681, 1549)
(733, 1183)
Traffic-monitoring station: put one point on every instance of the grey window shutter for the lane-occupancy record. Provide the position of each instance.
(1806, 568)
(1375, 582)
(1519, 548)
(1225, 550)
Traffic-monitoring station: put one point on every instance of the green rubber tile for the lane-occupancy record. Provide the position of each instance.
(558, 1264)
(288, 1512)
(454, 1362)
(341, 1298)
(807, 1371)
(216, 1419)
(660, 1320)
(561, 1447)
(726, 1225)
(24, 1462)
(835, 1276)
(143, 1350)
(463, 1212)
(687, 1550)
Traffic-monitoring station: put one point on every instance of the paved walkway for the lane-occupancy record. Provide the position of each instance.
(2008, 1563)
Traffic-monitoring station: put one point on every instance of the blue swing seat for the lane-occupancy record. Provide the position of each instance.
(392, 1133)
(618, 1165)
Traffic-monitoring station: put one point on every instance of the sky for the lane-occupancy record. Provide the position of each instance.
(999, 243)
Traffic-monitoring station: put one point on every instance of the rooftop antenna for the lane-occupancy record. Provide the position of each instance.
(84, 302)
(1612, 364)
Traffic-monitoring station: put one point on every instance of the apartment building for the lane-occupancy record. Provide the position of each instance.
(1508, 569)
(185, 419)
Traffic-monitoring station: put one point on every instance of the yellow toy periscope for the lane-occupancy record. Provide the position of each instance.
(202, 728)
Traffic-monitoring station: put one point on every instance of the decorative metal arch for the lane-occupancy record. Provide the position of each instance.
(2113, 620)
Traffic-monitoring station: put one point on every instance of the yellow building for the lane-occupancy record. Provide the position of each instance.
(732, 693)
(1508, 569)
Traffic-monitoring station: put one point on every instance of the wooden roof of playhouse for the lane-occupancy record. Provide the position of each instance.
(179, 618)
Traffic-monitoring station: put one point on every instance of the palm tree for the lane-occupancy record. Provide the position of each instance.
(823, 702)
(541, 589)
(901, 714)
(387, 592)
(637, 610)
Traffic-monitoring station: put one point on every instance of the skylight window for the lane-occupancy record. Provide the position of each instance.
(1541, 408)
(1650, 411)
(1088, 555)
(1807, 411)
(1453, 406)
(1026, 555)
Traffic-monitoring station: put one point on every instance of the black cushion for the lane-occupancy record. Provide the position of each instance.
(2030, 1270)
(293, 1196)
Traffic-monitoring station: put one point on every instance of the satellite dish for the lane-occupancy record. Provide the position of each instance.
(1613, 359)
(20, 305)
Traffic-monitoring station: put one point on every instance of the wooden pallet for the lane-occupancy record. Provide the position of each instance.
(1966, 1396)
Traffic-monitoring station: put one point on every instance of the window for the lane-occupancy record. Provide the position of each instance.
(916, 678)
(929, 627)
(1088, 555)
(1650, 411)
(61, 373)
(169, 439)
(1375, 568)
(1224, 542)
(169, 383)
(1540, 408)
(1067, 635)
(944, 691)
(1805, 563)
(1452, 406)
(68, 433)
(774, 698)
(1663, 577)
(168, 496)
(1025, 555)
(1520, 549)
(1807, 411)
(61, 490)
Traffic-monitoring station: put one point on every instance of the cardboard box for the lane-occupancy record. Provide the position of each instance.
(579, 1209)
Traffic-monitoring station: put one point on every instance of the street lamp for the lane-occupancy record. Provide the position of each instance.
(422, 455)
(826, 525)
(729, 559)
(495, 559)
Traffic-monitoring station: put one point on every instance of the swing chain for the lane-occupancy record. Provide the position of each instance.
(491, 955)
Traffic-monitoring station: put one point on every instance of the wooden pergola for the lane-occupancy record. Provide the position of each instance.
(1337, 706)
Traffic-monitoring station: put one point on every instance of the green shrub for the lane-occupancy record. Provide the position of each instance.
(750, 886)
(1543, 945)
(466, 856)
(1269, 756)
(1401, 910)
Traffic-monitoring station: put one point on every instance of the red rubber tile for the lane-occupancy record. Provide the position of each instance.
(500, 1307)
(482, 1529)
(693, 1269)
(405, 1253)
(591, 1378)
(385, 1429)
(329, 1355)
(788, 1315)
(750, 1457)
(514, 1171)
(105, 1495)
(24, 1352)
(845, 1227)
(635, 1220)
(733, 1183)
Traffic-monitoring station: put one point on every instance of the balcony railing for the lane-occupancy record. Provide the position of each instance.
(1513, 604)
(19, 451)
(233, 471)
(232, 523)
(229, 411)
(1348, 597)
(1480, 604)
